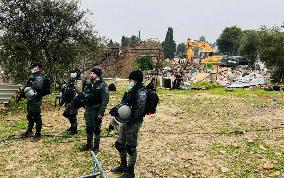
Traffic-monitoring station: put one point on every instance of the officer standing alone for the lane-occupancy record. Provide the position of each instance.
(33, 93)
(97, 97)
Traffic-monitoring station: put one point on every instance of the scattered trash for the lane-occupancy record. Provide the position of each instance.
(247, 80)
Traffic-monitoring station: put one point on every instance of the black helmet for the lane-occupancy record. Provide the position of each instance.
(136, 75)
(36, 64)
(97, 71)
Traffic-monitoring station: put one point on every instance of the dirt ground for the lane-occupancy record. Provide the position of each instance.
(210, 133)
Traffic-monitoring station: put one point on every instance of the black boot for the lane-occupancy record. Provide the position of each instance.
(96, 144)
(69, 129)
(122, 168)
(73, 127)
(29, 131)
(27, 134)
(88, 146)
(73, 131)
(129, 173)
(38, 129)
(36, 137)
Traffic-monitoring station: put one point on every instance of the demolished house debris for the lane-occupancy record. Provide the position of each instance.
(179, 75)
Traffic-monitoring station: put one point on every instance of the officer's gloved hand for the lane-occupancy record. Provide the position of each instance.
(61, 103)
(86, 83)
(85, 95)
(18, 98)
(113, 111)
(110, 128)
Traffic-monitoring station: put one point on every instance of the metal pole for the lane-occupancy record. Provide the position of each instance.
(157, 67)
(98, 164)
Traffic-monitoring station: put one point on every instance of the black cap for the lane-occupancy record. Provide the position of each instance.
(36, 64)
(136, 75)
(97, 71)
(75, 70)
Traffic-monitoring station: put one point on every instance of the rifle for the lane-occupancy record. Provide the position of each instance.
(151, 85)
(110, 128)
(22, 93)
(68, 92)
(20, 96)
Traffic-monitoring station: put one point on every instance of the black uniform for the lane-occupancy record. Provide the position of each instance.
(128, 133)
(69, 93)
(33, 106)
(97, 97)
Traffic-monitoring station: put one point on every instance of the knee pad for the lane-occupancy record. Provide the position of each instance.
(130, 149)
(119, 146)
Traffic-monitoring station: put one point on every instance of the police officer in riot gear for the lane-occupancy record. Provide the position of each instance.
(35, 82)
(69, 93)
(127, 140)
(97, 97)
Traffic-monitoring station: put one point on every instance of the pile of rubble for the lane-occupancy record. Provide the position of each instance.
(230, 77)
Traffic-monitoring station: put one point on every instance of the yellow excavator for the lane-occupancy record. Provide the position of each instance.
(206, 53)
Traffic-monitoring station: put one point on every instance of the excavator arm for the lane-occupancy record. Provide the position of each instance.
(206, 49)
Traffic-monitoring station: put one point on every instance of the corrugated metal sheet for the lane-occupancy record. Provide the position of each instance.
(7, 91)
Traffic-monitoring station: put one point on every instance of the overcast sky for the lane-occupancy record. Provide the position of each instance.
(189, 18)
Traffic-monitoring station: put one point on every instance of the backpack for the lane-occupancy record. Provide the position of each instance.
(46, 87)
(152, 101)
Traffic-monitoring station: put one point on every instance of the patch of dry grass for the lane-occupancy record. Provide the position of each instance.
(194, 134)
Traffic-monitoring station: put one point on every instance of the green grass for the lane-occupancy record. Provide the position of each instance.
(205, 85)
(9, 128)
(254, 96)
(221, 91)
(245, 159)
